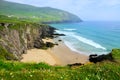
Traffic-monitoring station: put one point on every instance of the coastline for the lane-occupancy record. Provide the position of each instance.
(67, 56)
(58, 55)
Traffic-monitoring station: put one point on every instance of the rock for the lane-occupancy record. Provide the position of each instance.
(49, 44)
(17, 38)
(56, 44)
(4, 24)
(38, 43)
(46, 31)
(98, 58)
(59, 34)
(59, 40)
(75, 64)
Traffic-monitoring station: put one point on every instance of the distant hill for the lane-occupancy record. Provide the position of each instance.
(37, 14)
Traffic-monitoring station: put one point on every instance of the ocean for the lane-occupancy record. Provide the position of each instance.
(90, 37)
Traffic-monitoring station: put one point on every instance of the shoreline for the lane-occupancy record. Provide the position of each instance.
(58, 55)
(67, 56)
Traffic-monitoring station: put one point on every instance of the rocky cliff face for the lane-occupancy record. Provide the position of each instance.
(16, 38)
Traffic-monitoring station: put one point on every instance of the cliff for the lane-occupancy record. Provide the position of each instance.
(16, 38)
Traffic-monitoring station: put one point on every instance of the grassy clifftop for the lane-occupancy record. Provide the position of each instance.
(36, 14)
(101, 71)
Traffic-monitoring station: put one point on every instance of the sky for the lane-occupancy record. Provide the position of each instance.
(89, 10)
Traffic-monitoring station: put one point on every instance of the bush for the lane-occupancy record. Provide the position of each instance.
(5, 55)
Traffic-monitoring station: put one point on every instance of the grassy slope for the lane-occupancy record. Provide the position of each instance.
(101, 71)
(36, 14)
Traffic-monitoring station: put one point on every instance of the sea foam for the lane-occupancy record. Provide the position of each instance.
(69, 29)
(89, 42)
(71, 46)
(82, 39)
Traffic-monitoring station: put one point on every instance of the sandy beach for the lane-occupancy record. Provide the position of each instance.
(58, 55)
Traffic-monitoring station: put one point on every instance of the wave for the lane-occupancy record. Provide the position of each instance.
(70, 29)
(69, 45)
(82, 39)
(64, 32)
(89, 42)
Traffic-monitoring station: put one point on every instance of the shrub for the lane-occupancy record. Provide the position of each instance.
(5, 55)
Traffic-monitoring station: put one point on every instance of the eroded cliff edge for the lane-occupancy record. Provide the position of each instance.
(17, 38)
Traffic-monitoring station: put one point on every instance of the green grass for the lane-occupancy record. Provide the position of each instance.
(31, 71)
(116, 54)
(35, 14)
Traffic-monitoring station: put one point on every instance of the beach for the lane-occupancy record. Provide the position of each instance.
(58, 55)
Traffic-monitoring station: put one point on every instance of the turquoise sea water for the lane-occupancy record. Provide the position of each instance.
(90, 37)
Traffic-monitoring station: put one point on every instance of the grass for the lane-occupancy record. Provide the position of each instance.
(1, 27)
(42, 71)
(29, 13)
(116, 54)
(31, 71)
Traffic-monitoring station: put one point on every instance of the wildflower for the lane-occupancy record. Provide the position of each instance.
(61, 77)
(2, 79)
(11, 73)
(31, 75)
(33, 71)
(12, 76)
(86, 78)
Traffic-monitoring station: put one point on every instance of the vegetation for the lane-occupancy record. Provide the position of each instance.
(35, 14)
(5, 55)
(116, 54)
(47, 45)
(31, 71)
(18, 24)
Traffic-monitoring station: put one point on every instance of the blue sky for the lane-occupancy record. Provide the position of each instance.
(107, 10)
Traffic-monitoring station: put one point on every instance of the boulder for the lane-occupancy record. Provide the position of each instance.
(49, 44)
(59, 34)
(98, 58)
(59, 40)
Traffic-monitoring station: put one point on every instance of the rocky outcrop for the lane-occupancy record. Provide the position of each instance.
(98, 58)
(16, 38)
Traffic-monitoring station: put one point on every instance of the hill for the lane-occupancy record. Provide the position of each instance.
(36, 14)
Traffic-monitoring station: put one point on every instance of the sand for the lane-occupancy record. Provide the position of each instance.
(38, 55)
(58, 55)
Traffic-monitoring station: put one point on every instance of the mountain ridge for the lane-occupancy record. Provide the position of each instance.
(39, 14)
